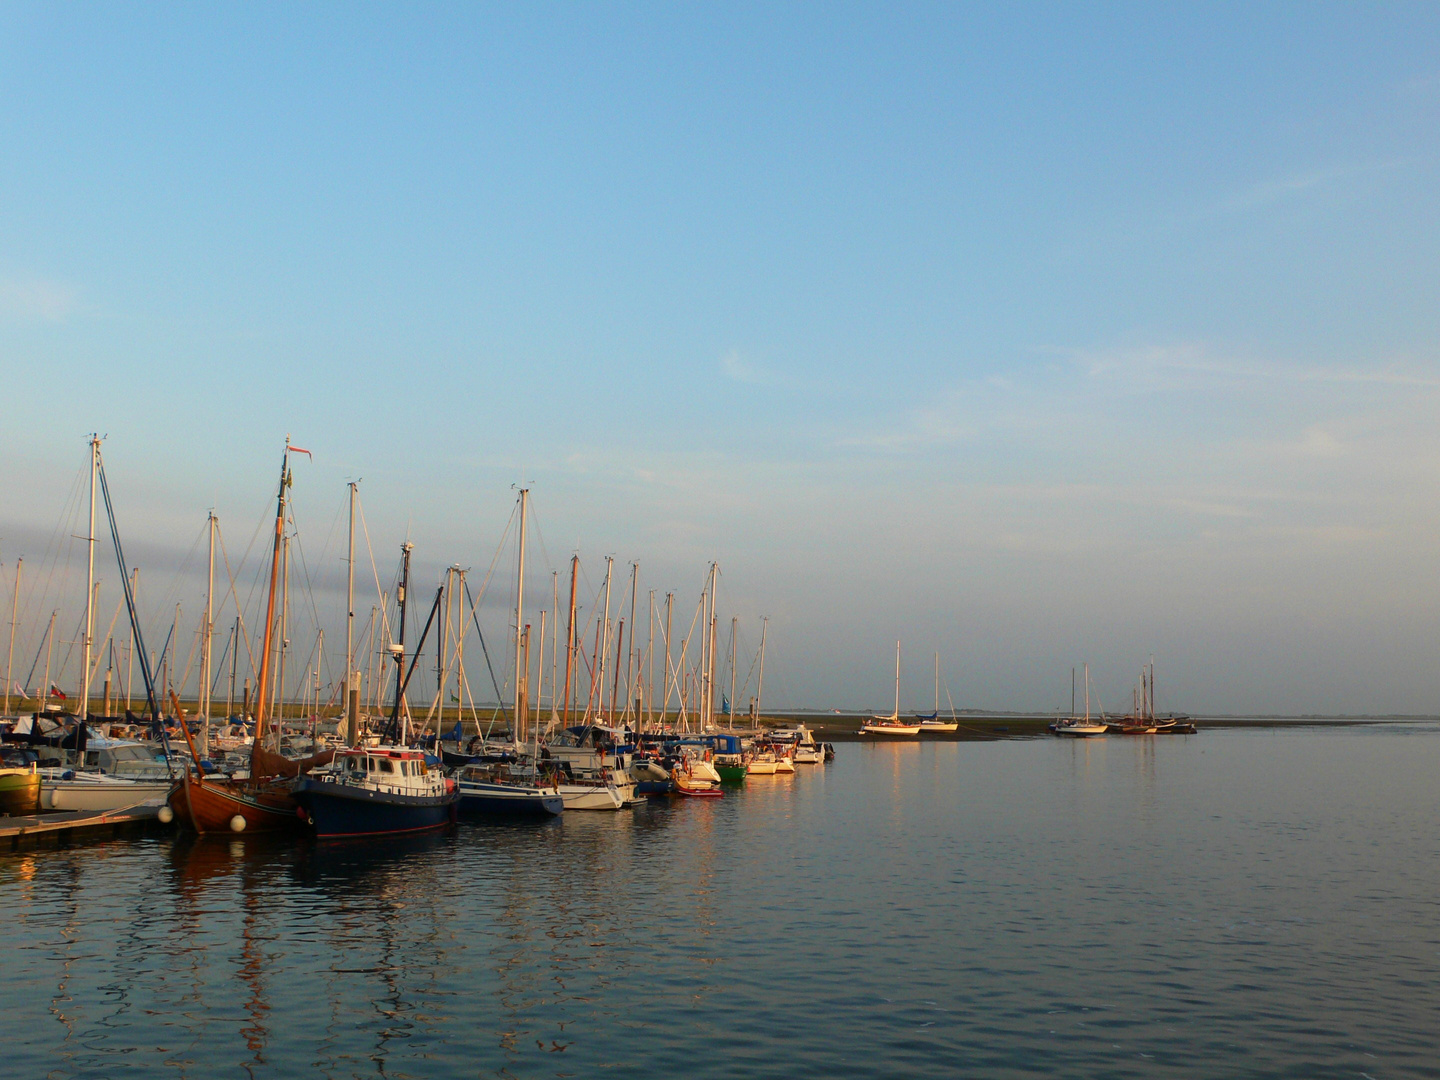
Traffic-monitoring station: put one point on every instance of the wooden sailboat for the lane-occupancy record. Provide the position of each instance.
(262, 801)
(892, 724)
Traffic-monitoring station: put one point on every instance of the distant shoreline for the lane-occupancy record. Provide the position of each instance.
(845, 727)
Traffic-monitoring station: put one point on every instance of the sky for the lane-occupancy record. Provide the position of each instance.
(1033, 336)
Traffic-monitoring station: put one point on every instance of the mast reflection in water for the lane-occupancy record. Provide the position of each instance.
(1242, 902)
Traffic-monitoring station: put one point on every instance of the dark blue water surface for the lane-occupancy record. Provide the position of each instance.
(1237, 903)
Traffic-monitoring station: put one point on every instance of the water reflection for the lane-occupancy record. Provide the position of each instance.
(1172, 907)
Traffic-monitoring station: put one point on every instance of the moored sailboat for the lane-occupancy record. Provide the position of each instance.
(933, 722)
(892, 724)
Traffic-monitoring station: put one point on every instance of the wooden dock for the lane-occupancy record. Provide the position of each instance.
(60, 828)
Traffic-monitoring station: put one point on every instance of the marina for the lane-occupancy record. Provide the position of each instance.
(768, 541)
(944, 906)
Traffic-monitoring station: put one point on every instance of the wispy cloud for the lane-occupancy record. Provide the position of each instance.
(742, 370)
(1196, 360)
(35, 299)
(1271, 191)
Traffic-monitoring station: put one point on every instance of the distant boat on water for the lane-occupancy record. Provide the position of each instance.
(1075, 727)
(933, 722)
(892, 724)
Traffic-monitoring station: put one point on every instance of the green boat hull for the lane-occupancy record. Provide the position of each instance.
(731, 774)
(19, 792)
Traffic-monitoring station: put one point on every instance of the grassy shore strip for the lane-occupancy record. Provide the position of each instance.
(846, 728)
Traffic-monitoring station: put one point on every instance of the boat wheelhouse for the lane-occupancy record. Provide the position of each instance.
(380, 790)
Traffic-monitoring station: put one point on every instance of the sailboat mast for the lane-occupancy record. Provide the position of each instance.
(665, 705)
(518, 734)
(937, 684)
(896, 713)
(393, 728)
(650, 674)
(540, 674)
(1087, 693)
(206, 657)
(629, 678)
(604, 635)
(14, 613)
(90, 584)
(707, 598)
(234, 665)
(760, 682)
(49, 651)
(734, 644)
(570, 638)
(263, 682)
(554, 639)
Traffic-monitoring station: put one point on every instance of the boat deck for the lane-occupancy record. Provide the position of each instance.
(57, 829)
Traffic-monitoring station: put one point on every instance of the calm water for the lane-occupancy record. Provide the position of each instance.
(1240, 903)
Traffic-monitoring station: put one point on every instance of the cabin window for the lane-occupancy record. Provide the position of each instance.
(386, 765)
(351, 764)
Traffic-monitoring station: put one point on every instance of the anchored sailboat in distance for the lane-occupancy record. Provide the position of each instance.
(933, 721)
(1074, 726)
(892, 724)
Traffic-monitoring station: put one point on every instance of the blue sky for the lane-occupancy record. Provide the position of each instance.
(1029, 335)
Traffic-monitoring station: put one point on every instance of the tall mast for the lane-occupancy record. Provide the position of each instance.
(520, 614)
(554, 639)
(14, 612)
(665, 705)
(234, 665)
(615, 687)
(279, 696)
(209, 636)
(90, 585)
(263, 683)
(350, 600)
(49, 651)
(734, 643)
(714, 650)
(760, 683)
(650, 675)
(937, 684)
(605, 633)
(1087, 693)
(570, 638)
(707, 600)
(897, 681)
(629, 682)
(399, 648)
(540, 674)
(460, 631)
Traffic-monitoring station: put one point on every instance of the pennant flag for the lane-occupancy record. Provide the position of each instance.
(298, 450)
(55, 691)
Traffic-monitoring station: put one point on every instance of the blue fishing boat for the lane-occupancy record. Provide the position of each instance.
(375, 791)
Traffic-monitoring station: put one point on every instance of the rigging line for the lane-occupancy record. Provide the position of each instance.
(239, 614)
(540, 537)
(309, 590)
(108, 637)
(34, 663)
(379, 592)
(220, 673)
(172, 593)
(67, 522)
(499, 697)
(190, 657)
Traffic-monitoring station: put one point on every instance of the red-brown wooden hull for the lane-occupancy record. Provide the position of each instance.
(210, 806)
